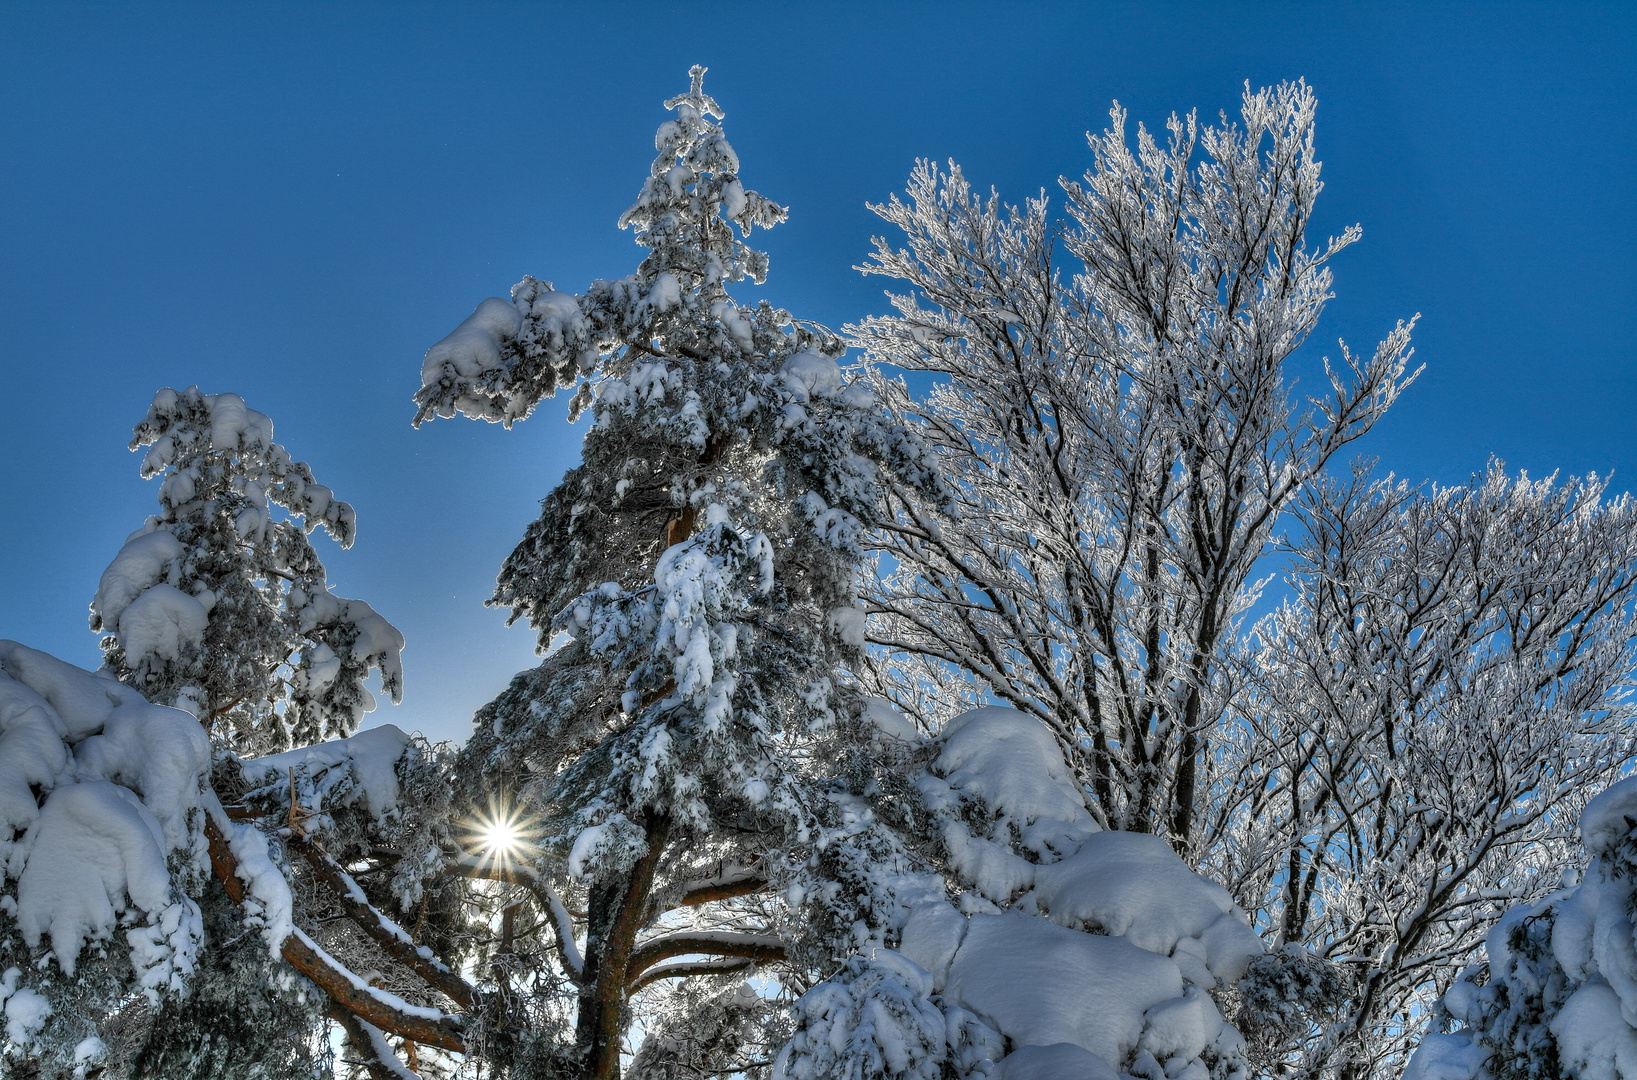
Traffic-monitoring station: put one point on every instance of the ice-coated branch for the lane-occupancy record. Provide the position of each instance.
(512, 872)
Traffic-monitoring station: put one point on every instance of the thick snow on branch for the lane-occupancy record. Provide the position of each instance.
(104, 790)
(361, 770)
(1088, 952)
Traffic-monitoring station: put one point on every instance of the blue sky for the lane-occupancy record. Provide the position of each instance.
(292, 201)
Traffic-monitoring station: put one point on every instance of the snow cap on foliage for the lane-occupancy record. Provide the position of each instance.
(999, 780)
(360, 769)
(1132, 885)
(1090, 953)
(1561, 985)
(107, 823)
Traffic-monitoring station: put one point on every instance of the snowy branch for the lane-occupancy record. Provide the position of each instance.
(383, 931)
(347, 990)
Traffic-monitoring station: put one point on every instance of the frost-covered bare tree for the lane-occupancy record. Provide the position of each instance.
(1421, 724)
(1121, 434)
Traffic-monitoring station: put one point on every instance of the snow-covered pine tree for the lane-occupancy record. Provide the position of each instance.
(219, 604)
(702, 562)
(147, 929)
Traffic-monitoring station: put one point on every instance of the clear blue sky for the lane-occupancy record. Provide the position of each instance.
(292, 201)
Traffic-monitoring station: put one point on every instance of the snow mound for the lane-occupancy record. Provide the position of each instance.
(1132, 885)
(104, 789)
(361, 769)
(1007, 798)
(93, 847)
(1059, 1061)
(144, 561)
(474, 346)
(890, 725)
(1090, 954)
(1100, 987)
(1610, 817)
(164, 622)
(25, 1010)
(810, 374)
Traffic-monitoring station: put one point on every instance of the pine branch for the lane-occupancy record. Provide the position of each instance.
(753, 947)
(383, 931)
(345, 989)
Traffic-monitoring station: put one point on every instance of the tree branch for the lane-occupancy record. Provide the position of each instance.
(383, 931)
(753, 947)
(374, 1053)
(471, 866)
(346, 990)
(682, 970)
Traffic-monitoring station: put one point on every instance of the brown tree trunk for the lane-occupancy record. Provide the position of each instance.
(617, 910)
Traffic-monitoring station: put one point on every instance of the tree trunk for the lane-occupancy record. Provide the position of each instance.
(617, 910)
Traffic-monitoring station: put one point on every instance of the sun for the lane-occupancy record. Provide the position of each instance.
(499, 834)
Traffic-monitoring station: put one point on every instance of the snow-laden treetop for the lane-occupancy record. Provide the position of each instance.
(501, 361)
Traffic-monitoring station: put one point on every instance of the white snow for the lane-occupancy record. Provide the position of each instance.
(93, 845)
(930, 937)
(1133, 885)
(474, 346)
(810, 374)
(235, 426)
(163, 622)
(368, 759)
(1003, 767)
(1594, 1033)
(377, 641)
(1128, 941)
(1445, 1057)
(267, 893)
(32, 754)
(25, 1010)
(161, 754)
(1059, 1061)
(892, 724)
(143, 562)
(103, 786)
(1609, 817)
(82, 700)
(1100, 987)
(87, 1052)
(847, 624)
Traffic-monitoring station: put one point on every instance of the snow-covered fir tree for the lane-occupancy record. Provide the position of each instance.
(702, 565)
(219, 603)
